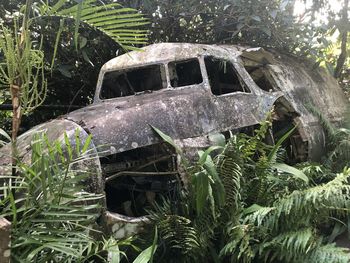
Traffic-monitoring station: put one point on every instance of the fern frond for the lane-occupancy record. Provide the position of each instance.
(303, 245)
(179, 236)
(290, 245)
(238, 248)
(229, 166)
(176, 232)
(340, 155)
(301, 205)
(328, 253)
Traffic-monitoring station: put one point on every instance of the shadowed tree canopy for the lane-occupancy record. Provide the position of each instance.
(77, 58)
(268, 23)
(319, 31)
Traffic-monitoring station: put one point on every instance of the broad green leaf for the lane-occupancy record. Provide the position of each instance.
(266, 30)
(57, 6)
(251, 209)
(167, 139)
(58, 36)
(107, 18)
(145, 256)
(219, 189)
(330, 68)
(4, 134)
(77, 23)
(83, 42)
(114, 255)
(272, 155)
(154, 244)
(64, 71)
(201, 186)
(86, 143)
(218, 139)
(204, 155)
(291, 170)
(95, 14)
(256, 18)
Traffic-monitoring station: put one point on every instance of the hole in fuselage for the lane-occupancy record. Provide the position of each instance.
(285, 118)
(137, 179)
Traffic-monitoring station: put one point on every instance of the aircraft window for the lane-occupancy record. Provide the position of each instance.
(222, 76)
(259, 75)
(184, 73)
(131, 81)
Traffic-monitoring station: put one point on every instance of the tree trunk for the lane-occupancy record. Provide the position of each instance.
(16, 110)
(344, 38)
(15, 88)
(16, 122)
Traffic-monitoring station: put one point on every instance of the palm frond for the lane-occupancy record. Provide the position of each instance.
(52, 214)
(119, 23)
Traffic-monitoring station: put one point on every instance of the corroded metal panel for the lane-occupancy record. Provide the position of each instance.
(190, 113)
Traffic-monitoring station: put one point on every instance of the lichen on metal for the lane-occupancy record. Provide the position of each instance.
(189, 92)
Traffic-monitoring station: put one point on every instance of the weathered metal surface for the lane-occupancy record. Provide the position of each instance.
(55, 130)
(123, 226)
(192, 112)
(183, 113)
(5, 239)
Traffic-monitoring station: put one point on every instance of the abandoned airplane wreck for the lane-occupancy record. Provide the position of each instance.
(188, 91)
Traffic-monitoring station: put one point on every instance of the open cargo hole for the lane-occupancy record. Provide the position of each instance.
(285, 118)
(137, 178)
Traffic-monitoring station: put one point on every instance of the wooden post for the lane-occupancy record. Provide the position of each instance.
(5, 230)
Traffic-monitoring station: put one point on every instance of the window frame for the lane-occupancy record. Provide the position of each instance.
(200, 63)
(238, 70)
(163, 77)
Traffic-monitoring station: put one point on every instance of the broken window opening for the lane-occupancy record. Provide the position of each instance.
(223, 77)
(132, 81)
(284, 119)
(138, 178)
(260, 77)
(185, 73)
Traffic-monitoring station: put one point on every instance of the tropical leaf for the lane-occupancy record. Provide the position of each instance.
(168, 140)
(119, 23)
(291, 170)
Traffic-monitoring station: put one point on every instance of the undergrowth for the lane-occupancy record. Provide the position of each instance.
(244, 204)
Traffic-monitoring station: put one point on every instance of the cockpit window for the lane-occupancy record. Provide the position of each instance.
(132, 81)
(185, 73)
(222, 76)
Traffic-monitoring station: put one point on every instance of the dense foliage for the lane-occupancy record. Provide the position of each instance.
(245, 205)
(269, 23)
(319, 33)
(53, 214)
(76, 39)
